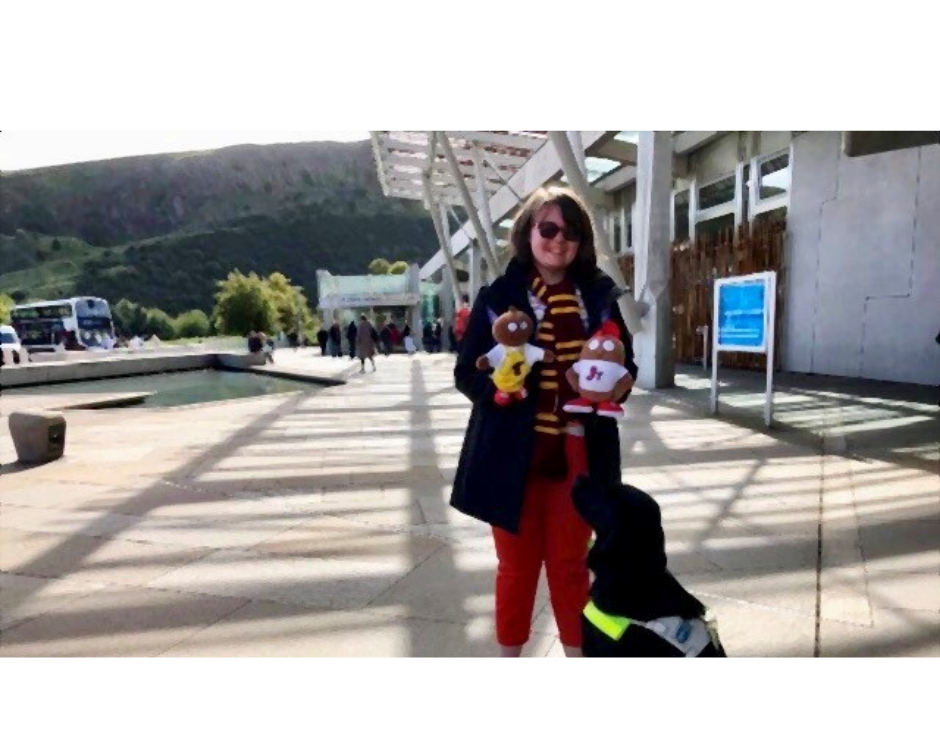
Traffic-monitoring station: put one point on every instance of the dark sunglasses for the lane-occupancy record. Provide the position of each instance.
(549, 230)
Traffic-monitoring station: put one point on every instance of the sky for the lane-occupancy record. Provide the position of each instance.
(28, 150)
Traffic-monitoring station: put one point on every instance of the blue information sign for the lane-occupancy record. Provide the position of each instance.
(742, 315)
(744, 312)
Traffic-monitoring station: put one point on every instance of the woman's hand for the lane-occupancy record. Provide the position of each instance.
(483, 363)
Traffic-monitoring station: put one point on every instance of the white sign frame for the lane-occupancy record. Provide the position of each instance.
(769, 279)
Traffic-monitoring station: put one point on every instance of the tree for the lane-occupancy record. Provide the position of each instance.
(56, 244)
(379, 266)
(160, 324)
(6, 304)
(398, 267)
(244, 303)
(192, 324)
(293, 309)
(129, 318)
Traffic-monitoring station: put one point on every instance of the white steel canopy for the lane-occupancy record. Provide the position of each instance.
(405, 158)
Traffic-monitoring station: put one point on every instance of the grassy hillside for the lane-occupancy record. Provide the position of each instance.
(161, 230)
(37, 266)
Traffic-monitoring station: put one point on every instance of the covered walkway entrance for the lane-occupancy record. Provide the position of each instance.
(401, 298)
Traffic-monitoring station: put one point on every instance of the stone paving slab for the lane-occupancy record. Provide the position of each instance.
(323, 583)
(81, 558)
(319, 524)
(265, 629)
(116, 621)
(24, 597)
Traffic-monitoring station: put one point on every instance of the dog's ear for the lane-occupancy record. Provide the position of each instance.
(593, 504)
(640, 529)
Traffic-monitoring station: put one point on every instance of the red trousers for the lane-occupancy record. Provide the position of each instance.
(551, 532)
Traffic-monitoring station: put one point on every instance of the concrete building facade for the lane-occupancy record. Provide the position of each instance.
(862, 245)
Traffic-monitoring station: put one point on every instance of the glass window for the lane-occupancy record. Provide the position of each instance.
(716, 193)
(628, 136)
(775, 176)
(681, 212)
(711, 227)
(598, 167)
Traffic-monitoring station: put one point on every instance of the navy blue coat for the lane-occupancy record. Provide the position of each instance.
(490, 481)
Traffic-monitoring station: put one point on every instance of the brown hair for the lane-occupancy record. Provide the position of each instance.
(576, 216)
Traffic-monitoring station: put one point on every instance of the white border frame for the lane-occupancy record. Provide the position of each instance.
(770, 317)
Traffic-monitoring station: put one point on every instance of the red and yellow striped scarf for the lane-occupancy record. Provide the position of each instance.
(560, 331)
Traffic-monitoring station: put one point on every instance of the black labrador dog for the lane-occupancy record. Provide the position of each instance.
(637, 608)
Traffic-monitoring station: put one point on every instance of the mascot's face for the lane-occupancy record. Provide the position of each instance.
(512, 328)
(605, 348)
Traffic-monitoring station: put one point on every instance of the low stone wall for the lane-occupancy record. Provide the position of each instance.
(239, 361)
(48, 373)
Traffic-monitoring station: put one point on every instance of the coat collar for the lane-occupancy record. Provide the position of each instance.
(597, 289)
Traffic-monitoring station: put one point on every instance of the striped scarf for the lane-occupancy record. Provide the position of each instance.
(561, 330)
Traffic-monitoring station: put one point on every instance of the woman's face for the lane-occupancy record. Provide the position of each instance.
(552, 256)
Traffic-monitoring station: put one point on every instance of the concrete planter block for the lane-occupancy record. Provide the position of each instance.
(38, 436)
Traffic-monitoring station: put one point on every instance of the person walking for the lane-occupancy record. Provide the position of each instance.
(322, 339)
(408, 340)
(351, 333)
(438, 336)
(365, 343)
(427, 337)
(385, 339)
(461, 318)
(336, 340)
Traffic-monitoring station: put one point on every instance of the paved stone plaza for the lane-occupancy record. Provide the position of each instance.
(318, 524)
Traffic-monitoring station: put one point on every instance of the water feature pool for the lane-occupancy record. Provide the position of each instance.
(180, 388)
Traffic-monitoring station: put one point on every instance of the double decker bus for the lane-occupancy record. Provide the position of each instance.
(77, 323)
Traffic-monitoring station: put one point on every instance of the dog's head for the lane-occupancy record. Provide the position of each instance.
(629, 553)
(627, 523)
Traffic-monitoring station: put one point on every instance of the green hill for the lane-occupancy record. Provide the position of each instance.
(161, 230)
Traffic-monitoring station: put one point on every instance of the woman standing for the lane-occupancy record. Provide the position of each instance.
(365, 343)
(518, 462)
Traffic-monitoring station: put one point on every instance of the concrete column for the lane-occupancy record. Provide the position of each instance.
(414, 285)
(475, 258)
(653, 344)
(483, 205)
(416, 323)
(605, 257)
(577, 146)
(446, 295)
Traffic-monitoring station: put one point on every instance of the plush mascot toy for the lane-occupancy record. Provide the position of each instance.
(512, 357)
(599, 376)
